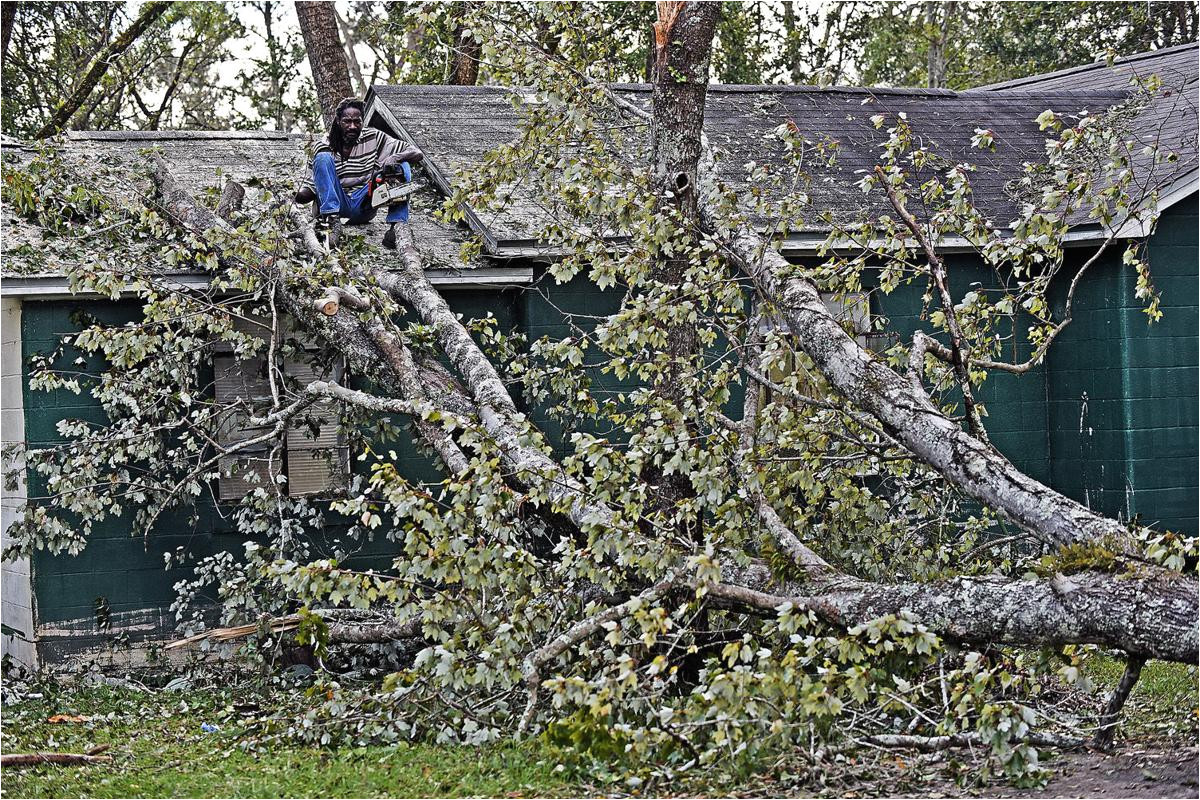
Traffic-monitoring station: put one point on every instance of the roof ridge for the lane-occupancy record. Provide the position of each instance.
(1098, 64)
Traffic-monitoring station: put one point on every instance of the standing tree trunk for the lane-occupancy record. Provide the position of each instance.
(331, 74)
(8, 14)
(683, 38)
(465, 50)
(99, 66)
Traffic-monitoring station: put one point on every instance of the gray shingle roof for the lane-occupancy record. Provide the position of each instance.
(1168, 120)
(201, 160)
(456, 126)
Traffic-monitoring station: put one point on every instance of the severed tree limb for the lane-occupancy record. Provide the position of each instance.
(1152, 614)
(1116, 701)
(336, 296)
(231, 200)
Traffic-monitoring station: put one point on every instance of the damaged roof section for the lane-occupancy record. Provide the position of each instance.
(37, 261)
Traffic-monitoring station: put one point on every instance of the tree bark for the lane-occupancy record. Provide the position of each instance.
(8, 15)
(331, 73)
(1151, 613)
(682, 49)
(465, 50)
(62, 114)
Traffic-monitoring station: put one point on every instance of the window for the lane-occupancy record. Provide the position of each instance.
(314, 455)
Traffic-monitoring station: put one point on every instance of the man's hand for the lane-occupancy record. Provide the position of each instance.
(305, 195)
(351, 183)
(410, 154)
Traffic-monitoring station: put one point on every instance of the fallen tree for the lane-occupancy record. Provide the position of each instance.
(684, 574)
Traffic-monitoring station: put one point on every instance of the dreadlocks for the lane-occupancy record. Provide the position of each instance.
(335, 132)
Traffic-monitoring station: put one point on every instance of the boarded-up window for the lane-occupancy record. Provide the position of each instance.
(318, 459)
(313, 454)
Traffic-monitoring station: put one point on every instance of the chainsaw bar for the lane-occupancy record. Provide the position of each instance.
(389, 193)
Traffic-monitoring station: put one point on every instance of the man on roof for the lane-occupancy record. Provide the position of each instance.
(350, 175)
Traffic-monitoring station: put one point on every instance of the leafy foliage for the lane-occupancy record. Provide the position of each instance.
(600, 634)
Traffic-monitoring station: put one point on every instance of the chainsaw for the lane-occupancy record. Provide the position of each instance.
(392, 185)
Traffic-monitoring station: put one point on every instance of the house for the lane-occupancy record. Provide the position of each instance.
(1109, 418)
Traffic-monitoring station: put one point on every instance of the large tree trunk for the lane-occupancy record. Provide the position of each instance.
(146, 17)
(1150, 613)
(682, 38)
(331, 73)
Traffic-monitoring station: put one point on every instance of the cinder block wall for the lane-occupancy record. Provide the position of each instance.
(1122, 392)
(1161, 369)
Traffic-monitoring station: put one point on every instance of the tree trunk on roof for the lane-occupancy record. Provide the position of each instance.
(331, 73)
(1148, 611)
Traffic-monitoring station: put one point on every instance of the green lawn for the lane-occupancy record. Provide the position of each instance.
(159, 750)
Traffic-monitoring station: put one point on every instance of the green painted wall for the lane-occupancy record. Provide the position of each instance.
(129, 573)
(1122, 393)
(1129, 448)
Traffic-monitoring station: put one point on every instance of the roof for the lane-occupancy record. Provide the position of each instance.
(202, 161)
(1169, 118)
(1175, 65)
(457, 126)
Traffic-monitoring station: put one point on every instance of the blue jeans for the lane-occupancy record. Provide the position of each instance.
(357, 203)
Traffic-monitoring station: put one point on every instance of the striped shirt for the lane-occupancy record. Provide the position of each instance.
(367, 155)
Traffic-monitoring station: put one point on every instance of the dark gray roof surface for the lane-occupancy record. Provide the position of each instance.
(201, 160)
(1169, 119)
(456, 126)
(1175, 65)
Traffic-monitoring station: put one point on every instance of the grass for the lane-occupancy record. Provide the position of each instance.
(1163, 703)
(159, 750)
